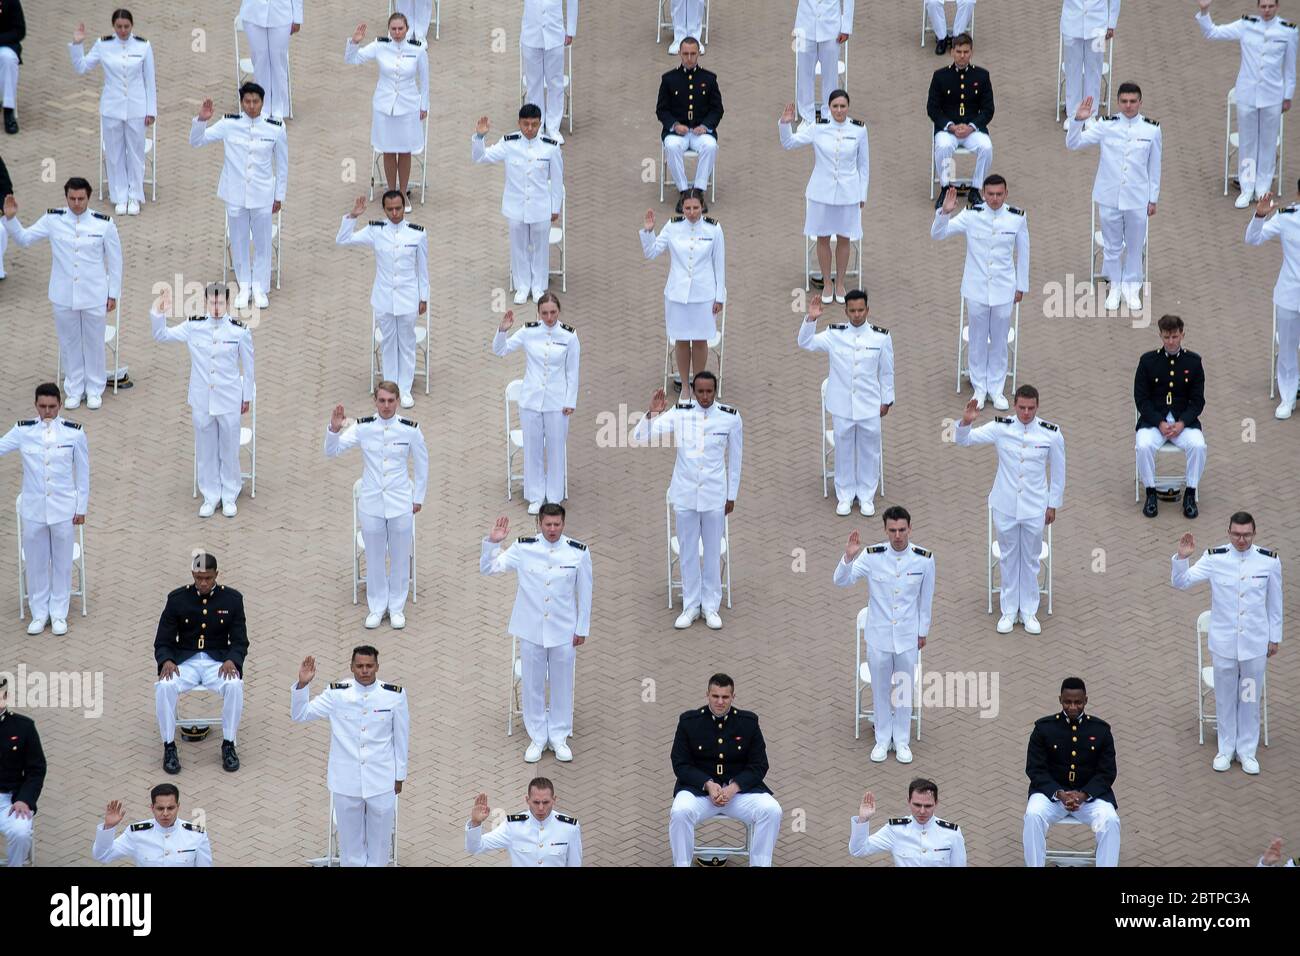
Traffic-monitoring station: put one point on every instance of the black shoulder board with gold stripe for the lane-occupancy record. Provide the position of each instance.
(563, 819)
(407, 421)
(857, 122)
(946, 824)
(517, 817)
(275, 122)
(340, 685)
(193, 826)
(875, 549)
(730, 410)
(383, 40)
(823, 119)
(839, 326)
(711, 222)
(100, 215)
(1286, 23)
(197, 318)
(685, 405)
(510, 136)
(1267, 553)
(531, 325)
(142, 826)
(1289, 209)
(366, 420)
(140, 38)
(56, 212)
(921, 551)
(675, 218)
(237, 322)
(415, 227)
(22, 422)
(1113, 116)
(528, 540)
(232, 116)
(1049, 426)
(898, 821)
(547, 139)
(395, 688)
(72, 424)
(1247, 16)
(376, 222)
(107, 36)
(1016, 209)
(881, 330)
(1002, 421)
(578, 544)
(567, 328)
(1151, 121)
(413, 42)
(1222, 550)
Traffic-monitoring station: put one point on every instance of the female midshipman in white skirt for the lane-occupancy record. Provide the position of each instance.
(401, 100)
(548, 398)
(129, 104)
(697, 286)
(837, 189)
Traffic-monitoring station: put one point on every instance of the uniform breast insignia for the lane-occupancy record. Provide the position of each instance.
(55, 212)
(679, 218)
(921, 551)
(142, 826)
(946, 824)
(1016, 210)
(275, 122)
(1151, 121)
(1222, 550)
(567, 328)
(711, 222)
(100, 215)
(232, 116)
(547, 139)
(875, 549)
(192, 826)
(727, 408)
(839, 327)
(341, 685)
(24, 422)
(531, 325)
(882, 331)
(1002, 421)
(572, 821)
(857, 122)
(1049, 426)
(512, 136)
(71, 424)
(517, 817)
(366, 421)
(528, 540)
(899, 821)
(1267, 553)
(411, 225)
(395, 688)
(409, 423)
(578, 544)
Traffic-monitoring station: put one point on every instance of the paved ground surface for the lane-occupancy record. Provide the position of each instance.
(788, 640)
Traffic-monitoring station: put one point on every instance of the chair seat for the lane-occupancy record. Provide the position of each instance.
(864, 673)
(421, 333)
(1233, 140)
(1042, 552)
(556, 236)
(110, 331)
(830, 438)
(148, 145)
(1169, 446)
(1207, 677)
(517, 437)
(1096, 238)
(361, 543)
(519, 668)
(245, 437)
(76, 552)
(275, 229)
(677, 548)
(245, 64)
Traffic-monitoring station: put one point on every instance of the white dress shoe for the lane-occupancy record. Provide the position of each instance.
(397, 619)
(72, 402)
(839, 299)
(555, 135)
(408, 207)
(1244, 199)
(867, 508)
(521, 296)
(207, 509)
(374, 620)
(1131, 297)
(262, 301)
(534, 507)
(879, 752)
(979, 400)
(828, 298)
(1222, 762)
(120, 209)
(686, 619)
(903, 754)
(1032, 626)
(1284, 410)
(1000, 402)
(674, 47)
(408, 400)
(229, 509)
(133, 208)
(1114, 297)
(537, 294)
(713, 620)
(562, 752)
(1066, 125)
(241, 300)
(534, 752)
(37, 625)
(844, 508)
(59, 627)
(1005, 623)
(1249, 764)
(94, 401)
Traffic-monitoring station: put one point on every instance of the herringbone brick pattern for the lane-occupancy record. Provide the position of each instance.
(788, 639)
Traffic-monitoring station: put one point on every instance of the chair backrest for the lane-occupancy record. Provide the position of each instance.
(1203, 624)
(825, 383)
(862, 621)
(18, 511)
(513, 389)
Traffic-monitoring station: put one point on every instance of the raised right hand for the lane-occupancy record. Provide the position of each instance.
(949, 201)
(1265, 205)
(1273, 855)
(481, 810)
(658, 402)
(499, 530)
(79, 34)
(358, 34)
(787, 116)
(358, 207)
(307, 671)
(11, 206)
(206, 111)
(650, 220)
(970, 412)
(164, 301)
(1186, 545)
(1203, 4)
(507, 320)
(113, 814)
(814, 308)
(482, 126)
(853, 547)
(868, 806)
(1084, 110)
(337, 418)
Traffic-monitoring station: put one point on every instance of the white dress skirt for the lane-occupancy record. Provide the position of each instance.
(824, 219)
(690, 321)
(403, 133)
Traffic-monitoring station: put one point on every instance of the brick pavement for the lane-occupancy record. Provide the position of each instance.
(787, 641)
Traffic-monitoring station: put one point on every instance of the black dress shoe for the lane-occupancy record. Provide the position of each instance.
(940, 45)
(229, 759)
(681, 197)
(1151, 508)
(1189, 503)
(171, 760)
(11, 122)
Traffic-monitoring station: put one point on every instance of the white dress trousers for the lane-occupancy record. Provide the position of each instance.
(47, 554)
(530, 255)
(987, 354)
(544, 81)
(81, 349)
(688, 19)
(1123, 241)
(1020, 542)
(365, 826)
(857, 458)
(244, 223)
(419, 15)
(267, 24)
(539, 665)
(16, 830)
(893, 677)
(1041, 812)
(808, 54)
(199, 672)
(1084, 57)
(939, 20)
(8, 78)
(759, 810)
(387, 587)
(675, 147)
(701, 574)
(1191, 442)
(945, 144)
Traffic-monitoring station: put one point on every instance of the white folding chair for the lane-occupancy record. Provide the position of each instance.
(717, 346)
(514, 438)
(1099, 250)
(31, 852)
(247, 440)
(674, 554)
(710, 855)
(557, 238)
(112, 342)
(78, 564)
(1170, 482)
(689, 154)
(828, 448)
(150, 160)
(1071, 857)
(567, 113)
(423, 334)
(1064, 109)
(1044, 557)
(963, 345)
(1205, 683)
(665, 22)
(925, 22)
(841, 81)
(1232, 142)
(962, 182)
(514, 708)
(422, 157)
(359, 549)
(1272, 358)
(852, 271)
(862, 680)
(331, 857)
(244, 67)
(277, 264)
(436, 23)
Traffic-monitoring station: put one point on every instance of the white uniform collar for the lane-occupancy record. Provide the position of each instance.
(385, 421)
